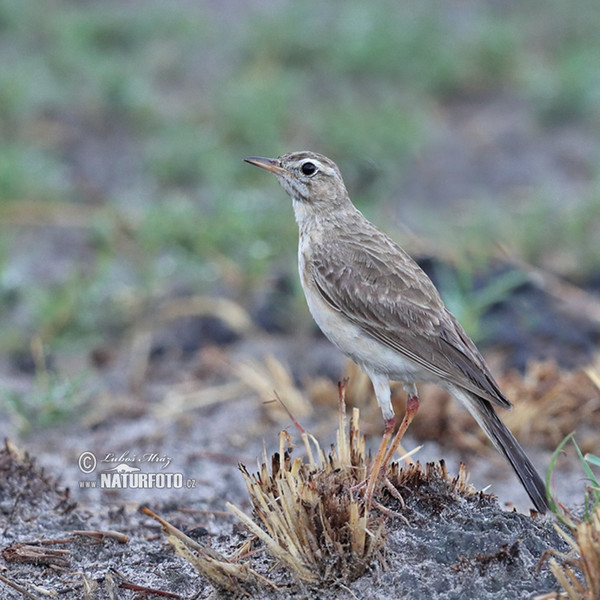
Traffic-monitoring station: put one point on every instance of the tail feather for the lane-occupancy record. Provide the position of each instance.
(507, 445)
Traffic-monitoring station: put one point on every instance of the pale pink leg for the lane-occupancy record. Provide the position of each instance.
(385, 454)
(379, 460)
(412, 406)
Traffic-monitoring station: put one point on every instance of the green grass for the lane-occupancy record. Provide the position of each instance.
(53, 400)
(149, 113)
(541, 229)
(592, 491)
(468, 300)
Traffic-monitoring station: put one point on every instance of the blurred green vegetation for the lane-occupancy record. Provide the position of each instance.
(142, 112)
(52, 400)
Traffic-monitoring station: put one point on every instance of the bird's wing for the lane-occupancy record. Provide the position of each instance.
(377, 286)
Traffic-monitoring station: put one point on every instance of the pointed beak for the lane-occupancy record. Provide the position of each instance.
(268, 164)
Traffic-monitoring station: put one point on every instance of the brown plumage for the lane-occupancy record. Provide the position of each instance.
(380, 308)
(387, 295)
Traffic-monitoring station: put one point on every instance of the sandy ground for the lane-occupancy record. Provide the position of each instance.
(462, 549)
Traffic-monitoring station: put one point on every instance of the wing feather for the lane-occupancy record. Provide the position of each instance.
(378, 287)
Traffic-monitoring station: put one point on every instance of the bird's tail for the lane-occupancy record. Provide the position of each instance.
(507, 445)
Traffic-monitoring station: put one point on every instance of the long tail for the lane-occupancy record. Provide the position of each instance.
(507, 445)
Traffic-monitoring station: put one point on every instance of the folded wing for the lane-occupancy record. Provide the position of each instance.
(378, 287)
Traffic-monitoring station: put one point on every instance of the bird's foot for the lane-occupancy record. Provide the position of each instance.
(388, 512)
(393, 490)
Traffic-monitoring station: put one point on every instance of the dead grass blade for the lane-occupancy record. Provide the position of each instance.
(180, 399)
(578, 572)
(268, 375)
(552, 403)
(235, 578)
(19, 588)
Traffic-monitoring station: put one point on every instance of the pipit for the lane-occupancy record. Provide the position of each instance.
(379, 308)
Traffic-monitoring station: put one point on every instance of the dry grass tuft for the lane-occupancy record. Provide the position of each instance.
(435, 478)
(551, 403)
(227, 575)
(579, 571)
(311, 515)
(268, 375)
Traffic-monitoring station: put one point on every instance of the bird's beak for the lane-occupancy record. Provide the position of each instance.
(268, 164)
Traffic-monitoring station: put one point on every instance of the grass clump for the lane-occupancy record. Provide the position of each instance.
(53, 398)
(227, 575)
(584, 560)
(308, 514)
(312, 518)
(578, 571)
(52, 401)
(312, 514)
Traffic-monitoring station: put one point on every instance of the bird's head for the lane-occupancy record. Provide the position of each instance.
(312, 180)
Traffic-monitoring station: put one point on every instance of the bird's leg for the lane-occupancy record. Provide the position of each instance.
(385, 454)
(379, 460)
(412, 406)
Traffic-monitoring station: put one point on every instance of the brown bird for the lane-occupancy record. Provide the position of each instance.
(380, 308)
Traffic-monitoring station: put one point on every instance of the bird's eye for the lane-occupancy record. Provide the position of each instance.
(308, 168)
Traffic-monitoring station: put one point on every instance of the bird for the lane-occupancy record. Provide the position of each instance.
(375, 303)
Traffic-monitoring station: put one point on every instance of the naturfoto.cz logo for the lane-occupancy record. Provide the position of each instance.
(124, 472)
